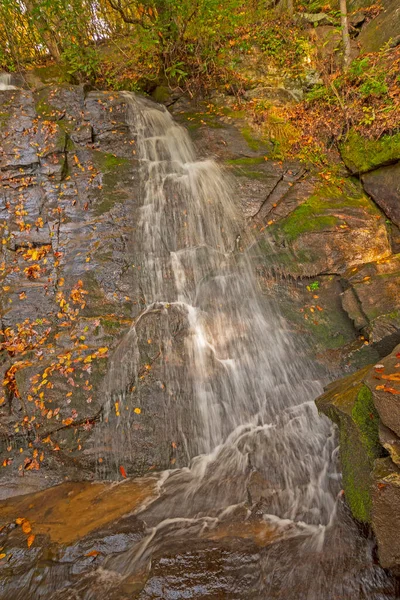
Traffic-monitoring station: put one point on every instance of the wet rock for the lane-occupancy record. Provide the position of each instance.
(372, 301)
(385, 384)
(349, 403)
(384, 187)
(391, 442)
(69, 200)
(365, 407)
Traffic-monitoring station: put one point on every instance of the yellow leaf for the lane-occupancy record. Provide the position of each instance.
(19, 521)
(2, 555)
(137, 411)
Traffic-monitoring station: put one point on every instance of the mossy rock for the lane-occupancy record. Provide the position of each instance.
(337, 227)
(361, 155)
(161, 94)
(116, 179)
(349, 403)
(317, 213)
(55, 73)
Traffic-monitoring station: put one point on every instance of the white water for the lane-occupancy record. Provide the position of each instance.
(246, 396)
(5, 82)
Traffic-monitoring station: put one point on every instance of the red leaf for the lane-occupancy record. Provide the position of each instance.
(123, 472)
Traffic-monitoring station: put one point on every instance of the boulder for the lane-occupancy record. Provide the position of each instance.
(383, 185)
(371, 299)
(366, 408)
(382, 29)
(385, 385)
(348, 402)
(386, 513)
(336, 227)
(361, 155)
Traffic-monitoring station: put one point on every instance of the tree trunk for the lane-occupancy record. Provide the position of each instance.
(290, 7)
(49, 37)
(345, 33)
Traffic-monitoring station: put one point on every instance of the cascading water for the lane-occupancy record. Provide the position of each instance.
(242, 394)
(5, 82)
(247, 391)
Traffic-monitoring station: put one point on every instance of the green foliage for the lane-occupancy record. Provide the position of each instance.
(285, 46)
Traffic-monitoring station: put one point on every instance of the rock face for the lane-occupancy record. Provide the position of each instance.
(383, 29)
(68, 202)
(366, 408)
(383, 185)
(371, 299)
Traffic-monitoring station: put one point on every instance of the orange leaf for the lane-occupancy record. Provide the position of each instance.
(26, 527)
(392, 377)
(30, 540)
(93, 553)
(123, 472)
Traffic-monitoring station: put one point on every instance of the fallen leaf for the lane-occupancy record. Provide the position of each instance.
(392, 377)
(93, 553)
(123, 472)
(26, 527)
(30, 540)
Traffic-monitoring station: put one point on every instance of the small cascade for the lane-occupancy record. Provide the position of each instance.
(5, 82)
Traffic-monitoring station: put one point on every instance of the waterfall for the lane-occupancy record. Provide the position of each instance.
(244, 392)
(5, 82)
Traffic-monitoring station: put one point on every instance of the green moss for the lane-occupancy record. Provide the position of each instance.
(366, 418)
(317, 213)
(4, 116)
(115, 180)
(252, 142)
(240, 172)
(233, 114)
(194, 120)
(109, 162)
(44, 109)
(56, 73)
(349, 403)
(161, 93)
(361, 154)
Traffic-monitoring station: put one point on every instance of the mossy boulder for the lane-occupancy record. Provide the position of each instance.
(338, 226)
(361, 155)
(366, 408)
(349, 403)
